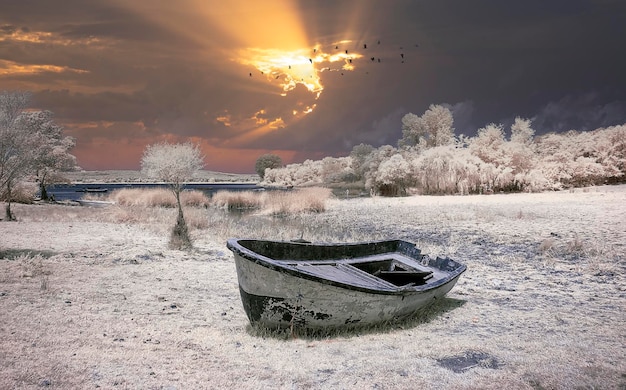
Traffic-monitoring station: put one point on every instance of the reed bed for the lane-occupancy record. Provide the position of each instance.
(237, 200)
(275, 202)
(157, 197)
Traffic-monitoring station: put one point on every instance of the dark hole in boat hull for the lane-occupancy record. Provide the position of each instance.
(394, 272)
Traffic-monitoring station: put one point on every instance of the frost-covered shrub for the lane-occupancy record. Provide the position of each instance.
(534, 180)
(393, 176)
(446, 170)
(309, 173)
(488, 145)
(372, 163)
(439, 163)
(576, 159)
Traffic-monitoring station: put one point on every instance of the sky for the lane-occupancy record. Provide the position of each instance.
(310, 78)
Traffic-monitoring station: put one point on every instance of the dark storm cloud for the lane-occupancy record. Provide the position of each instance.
(581, 112)
(166, 67)
(508, 56)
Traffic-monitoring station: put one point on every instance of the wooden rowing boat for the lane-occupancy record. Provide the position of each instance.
(320, 286)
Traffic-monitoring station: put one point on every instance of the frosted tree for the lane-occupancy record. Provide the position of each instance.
(488, 144)
(15, 145)
(359, 154)
(574, 159)
(337, 169)
(372, 163)
(434, 128)
(610, 151)
(502, 160)
(412, 131)
(523, 158)
(521, 132)
(30, 144)
(52, 154)
(554, 158)
(438, 121)
(447, 170)
(174, 164)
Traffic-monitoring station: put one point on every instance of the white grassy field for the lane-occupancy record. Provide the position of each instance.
(93, 298)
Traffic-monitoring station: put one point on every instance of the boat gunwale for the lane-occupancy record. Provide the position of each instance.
(282, 267)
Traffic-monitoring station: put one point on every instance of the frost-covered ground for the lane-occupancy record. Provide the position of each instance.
(101, 301)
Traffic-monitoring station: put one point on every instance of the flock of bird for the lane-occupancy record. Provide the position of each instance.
(346, 51)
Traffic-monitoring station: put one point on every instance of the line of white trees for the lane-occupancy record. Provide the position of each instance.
(431, 159)
(32, 146)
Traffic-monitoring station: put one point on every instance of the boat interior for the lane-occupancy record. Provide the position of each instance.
(376, 270)
(394, 272)
(386, 265)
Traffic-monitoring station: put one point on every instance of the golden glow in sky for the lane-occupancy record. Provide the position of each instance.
(284, 70)
(287, 69)
(14, 68)
(264, 66)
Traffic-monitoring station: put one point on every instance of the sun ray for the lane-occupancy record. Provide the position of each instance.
(270, 46)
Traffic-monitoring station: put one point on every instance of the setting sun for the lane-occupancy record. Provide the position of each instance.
(288, 68)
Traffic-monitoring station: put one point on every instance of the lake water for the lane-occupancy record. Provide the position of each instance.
(77, 191)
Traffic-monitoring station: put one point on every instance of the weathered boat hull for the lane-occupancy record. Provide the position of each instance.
(291, 291)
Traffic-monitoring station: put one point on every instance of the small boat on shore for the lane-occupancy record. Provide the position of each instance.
(94, 203)
(93, 190)
(325, 286)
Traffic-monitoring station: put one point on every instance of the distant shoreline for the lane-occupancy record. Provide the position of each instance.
(134, 176)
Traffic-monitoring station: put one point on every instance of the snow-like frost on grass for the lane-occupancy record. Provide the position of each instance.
(122, 310)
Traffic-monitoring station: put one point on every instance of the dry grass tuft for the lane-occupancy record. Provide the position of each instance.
(237, 200)
(196, 218)
(547, 246)
(32, 266)
(23, 192)
(569, 248)
(280, 203)
(298, 201)
(194, 198)
(148, 197)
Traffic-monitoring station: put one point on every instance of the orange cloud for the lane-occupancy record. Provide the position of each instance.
(10, 68)
(45, 37)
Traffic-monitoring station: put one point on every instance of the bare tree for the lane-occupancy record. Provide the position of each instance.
(13, 164)
(174, 164)
(30, 144)
(53, 152)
